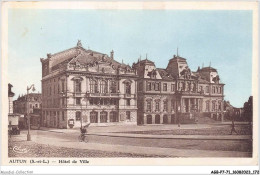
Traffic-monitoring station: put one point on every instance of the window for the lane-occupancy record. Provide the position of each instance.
(62, 86)
(103, 86)
(78, 115)
(91, 101)
(93, 117)
(149, 86)
(207, 106)
(213, 105)
(30, 105)
(149, 106)
(128, 88)
(93, 86)
(58, 88)
(36, 105)
(173, 87)
(207, 89)
(164, 86)
(172, 105)
(77, 86)
(113, 116)
(63, 116)
(128, 102)
(78, 101)
(113, 87)
(156, 86)
(213, 89)
(103, 117)
(128, 115)
(219, 105)
(165, 105)
(220, 90)
(157, 106)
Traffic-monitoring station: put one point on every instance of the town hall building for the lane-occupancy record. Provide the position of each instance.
(81, 85)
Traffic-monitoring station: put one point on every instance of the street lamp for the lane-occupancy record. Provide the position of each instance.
(28, 117)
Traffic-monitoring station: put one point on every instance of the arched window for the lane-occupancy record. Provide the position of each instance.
(113, 116)
(93, 117)
(165, 119)
(128, 88)
(93, 86)
(157, 119)
(149, 119)
(103, 117)
(113, 87)
(103, 86)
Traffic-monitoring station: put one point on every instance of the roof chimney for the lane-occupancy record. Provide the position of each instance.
(112, 54)
(79, 43)
(48, 55)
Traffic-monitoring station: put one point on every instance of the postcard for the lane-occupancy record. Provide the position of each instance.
(129, 83)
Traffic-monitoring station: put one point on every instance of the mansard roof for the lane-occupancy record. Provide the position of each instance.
(83, 56)
(164, 74)
(207, 69)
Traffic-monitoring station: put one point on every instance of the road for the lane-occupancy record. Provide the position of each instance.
(213, 145)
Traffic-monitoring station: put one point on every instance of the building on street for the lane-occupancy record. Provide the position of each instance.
(81, 85)
(31, 102)
(176, 94)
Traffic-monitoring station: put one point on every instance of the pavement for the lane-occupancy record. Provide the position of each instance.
(120, 131)
(158, 151)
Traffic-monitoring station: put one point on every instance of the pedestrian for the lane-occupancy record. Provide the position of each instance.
(83, 131)
(233, 128)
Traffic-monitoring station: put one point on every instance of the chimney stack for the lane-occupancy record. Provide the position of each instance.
(112, 54)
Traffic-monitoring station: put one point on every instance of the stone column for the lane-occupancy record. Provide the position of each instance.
(153, 119)
(108, 119)
(98, 117)
(161, 119)
(145, 119)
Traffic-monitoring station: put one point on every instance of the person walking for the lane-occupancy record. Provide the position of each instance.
(233, 127)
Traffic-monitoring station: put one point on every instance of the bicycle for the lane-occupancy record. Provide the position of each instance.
(83, 138)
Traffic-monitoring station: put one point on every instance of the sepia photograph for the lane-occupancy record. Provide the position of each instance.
(139, 81)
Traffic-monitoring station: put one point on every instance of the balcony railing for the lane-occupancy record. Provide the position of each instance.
(129, 95)
(102, 94)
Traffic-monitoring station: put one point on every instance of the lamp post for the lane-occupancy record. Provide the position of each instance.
(28, 116)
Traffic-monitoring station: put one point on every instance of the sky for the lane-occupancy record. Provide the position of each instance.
(222, 39)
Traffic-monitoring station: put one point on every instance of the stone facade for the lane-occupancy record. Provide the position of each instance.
(176, 94)
(81, 86)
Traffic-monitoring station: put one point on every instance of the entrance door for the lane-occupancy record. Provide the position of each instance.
(172, 118)
(165, 119)
(157, 119)
(149, 119)
(93, 117)
(103, 117)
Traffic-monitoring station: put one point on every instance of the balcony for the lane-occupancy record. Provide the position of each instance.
(129, 95)
(90, 94)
